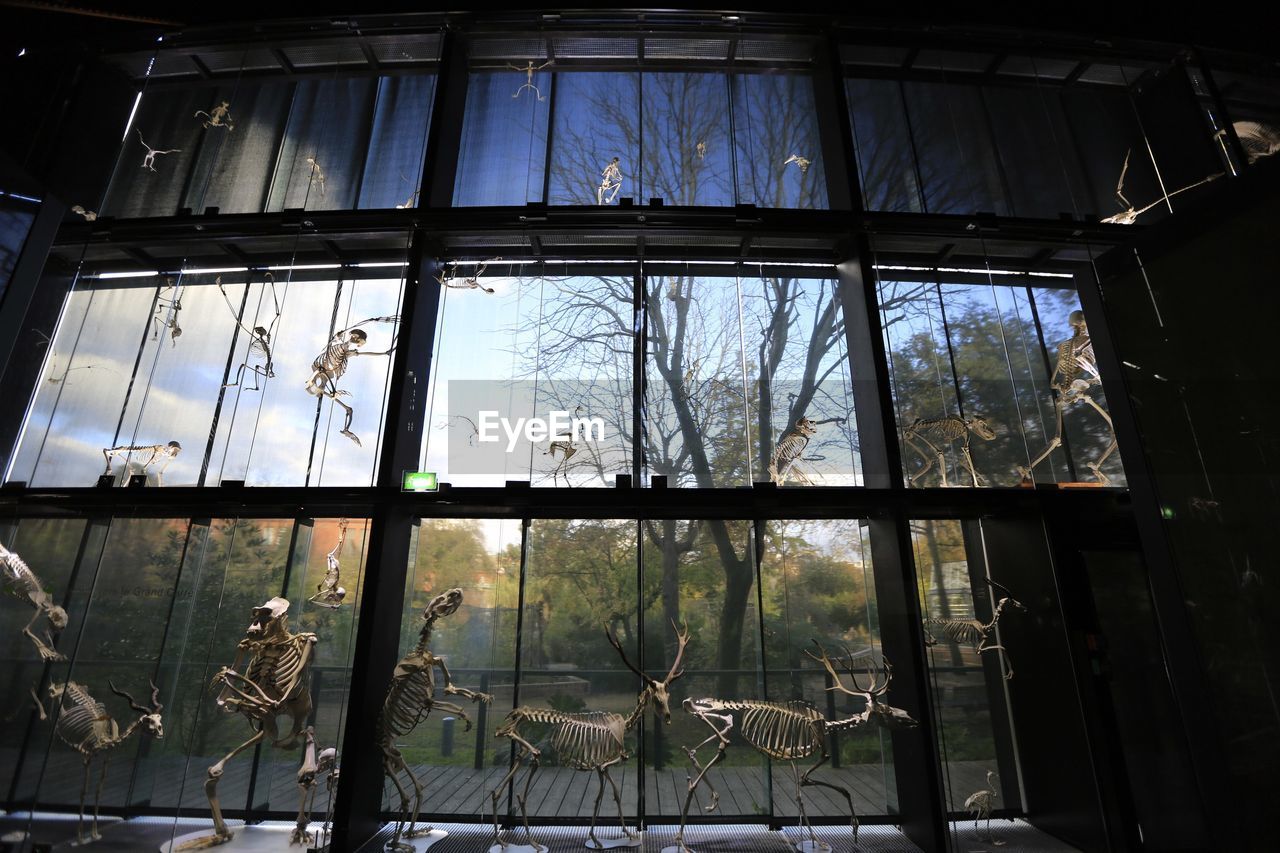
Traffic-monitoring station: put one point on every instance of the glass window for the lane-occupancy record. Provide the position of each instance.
(688, 159)
(776, 121)
(954, 149)
(883, 146)
(597, 121)
(503, 154)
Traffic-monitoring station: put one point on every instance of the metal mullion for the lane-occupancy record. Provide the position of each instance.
(639, 356)
(641, 740)
(553, 97)
(755, 543)
(525, 523)
(1049, 371)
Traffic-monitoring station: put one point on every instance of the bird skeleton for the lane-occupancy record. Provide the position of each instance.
(330, 365)
(473, 283)
(932, 432)
(329, 592)
(789, 448)
(974, 633)
(269, 678)
(220, 116)
(147, 455)
(791, 731)
(259, 340)
(84, 725)
(1130, 215)
(585, 740)
(149, 161)
(979, 805)
(802, 162)
(610, 182)
(410, 699)
(529, 70)
(1074, 377)
(165, 314)
(23, 584)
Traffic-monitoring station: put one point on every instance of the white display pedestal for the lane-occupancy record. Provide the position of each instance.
(811, 846)
(424, 841)
(518, 848)
(612, 843)
(261, 838)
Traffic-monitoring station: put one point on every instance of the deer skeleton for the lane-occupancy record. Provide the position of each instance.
(270, 677)
(979, 804)
(937, 431)
(21, 583)
(587, 740)
(610, 182)
(329, 592)
(803, 163)
(410, 699)
(330, 365)
(1074, 376)
(790, 447)
(472, 283)
(973, 632)
(220, 116)
(790, 731)
(150, 454)
(149, 161)
(172, 304)
(1130, 215)
(259, 340)
(84, 725)
(529, 72)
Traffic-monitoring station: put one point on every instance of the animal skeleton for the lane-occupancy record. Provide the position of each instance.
(472, 283)
(329, 593)
(259, 340)
(528, 83)
(802, 162)
(979, 805)
(219, 117)
(149, 453)
(173, 305)
(330, 365)
(610, 182)
(790, 447)
(270, 677)
(88, 215)
(317, 174)
(586, 740)
(1257, 139)
(974, 633)
(790, 731)
(149, 161)
(85, 726)
(21, 583)
(934, 431)
(413, 196)
(1130, 215)
(701, 149)
(1074, 376)
(566, 448)
(312, 767)
(410, 698)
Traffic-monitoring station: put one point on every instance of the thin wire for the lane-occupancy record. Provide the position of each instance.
(742, 356)
(1004, 344)
(1031, 375)
(537, 363)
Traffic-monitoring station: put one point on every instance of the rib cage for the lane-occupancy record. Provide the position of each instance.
(788, 451)
(407, 704)
(583, 740)
(943, 429)
(84, 725)
(965, 632)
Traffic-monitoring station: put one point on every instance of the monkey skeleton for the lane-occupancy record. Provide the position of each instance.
(935, 431)
(259, 340)
(171, 304)
(803, 163)
(23, 584)
(789, 448)
(529, 72)
(219, 117)
(472, 283)
(330, 365)
(973, 632)
(149, 453)
(410, 699)
(149, 161)
(329, 592)
(610, 182)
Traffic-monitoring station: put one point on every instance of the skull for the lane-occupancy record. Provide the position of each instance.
(154, 726)
(981, 428)
(804, 426)
(269, 618)
(443, 604)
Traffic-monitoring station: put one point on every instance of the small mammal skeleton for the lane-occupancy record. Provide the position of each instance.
(472, 283)
(330, 365)
(259, 340)
(802, 162)
(1130, 215)
(165, 315)
(410, 699)
(790, 447)
(219, 117)
(529, 72)
(149, 453)
(329, 592)
(974, 633)
(21, 583)
(149, 161)
(84, 725)
(936, 431)
(610, 182)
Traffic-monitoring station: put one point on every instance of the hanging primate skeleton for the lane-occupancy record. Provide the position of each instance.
(330, 365)
(789, 731)
(472, 283)
(165, 314)
(21, 583)
(586, 740)
(979, 805)
(259, 340)
(529, 71)
(802, 162)
(148, 454)
(149, 161)
(974, 633)
(317, 175)
(1130, 215)
(610, 182)
(933, 432)
(220, 116)
(1074, 377)
(410, 698)
(84, 725)
(270, 677)
(789, 448)
(329, 592)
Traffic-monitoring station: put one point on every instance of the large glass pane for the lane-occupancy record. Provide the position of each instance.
(596, 128)
(503, 155)
(685, 138)
(776, 141)
(882, 140)
(397, 145)
(954, 149)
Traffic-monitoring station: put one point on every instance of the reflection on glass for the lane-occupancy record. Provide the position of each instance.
(776, 119)
(688, 159)
(597, 118)
(503, 155)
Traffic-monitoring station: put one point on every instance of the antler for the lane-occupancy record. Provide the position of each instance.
(999, 587)
(133, 703)
(613, 641)
(875, 688)
(682, 640)
(155, 698)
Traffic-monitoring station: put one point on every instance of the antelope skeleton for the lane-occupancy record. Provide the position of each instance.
(610, 182)
(410, 698)
(270, 677)
(149, 454)
(979, 805)
(803, 163)
(932, 432)
(790, 731)
(973, 632)
(329, 592)
(259, 340)
(21, 583)
(220, 116)
(1074, 377)
(330, 365)
(84, 725)
(587, 740)
(789, 448)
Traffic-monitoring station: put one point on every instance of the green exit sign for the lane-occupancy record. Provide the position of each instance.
(420, 481)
